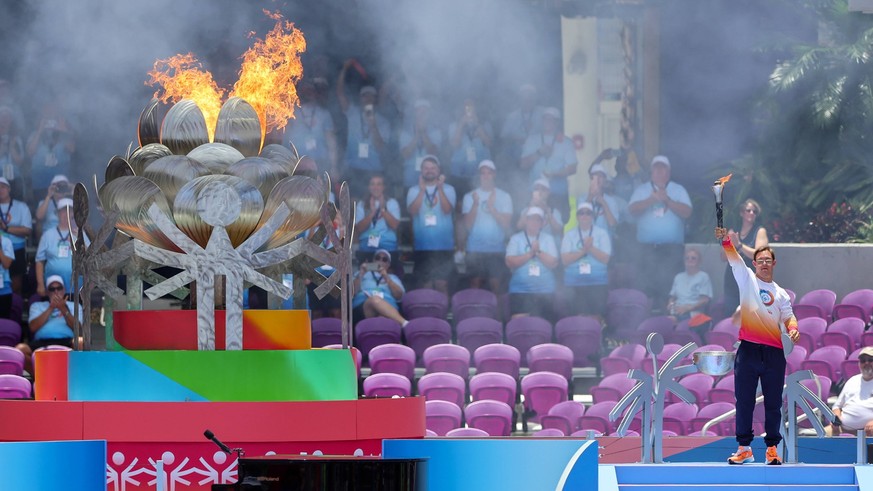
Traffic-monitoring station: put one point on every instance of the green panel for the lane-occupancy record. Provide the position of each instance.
(256, 375)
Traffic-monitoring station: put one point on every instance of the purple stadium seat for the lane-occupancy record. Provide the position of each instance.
(387, 385)
(441, 416)
(564, 416)
(822, 302)
(498, 357)
(849, 367)
(822, 389)
(844, 332)
(612, 388)
(825, 361)
(811, 329)
(11, 361)
(467, 432)
(493, 386)
(17, 308)
(622, 359)
(668, 433)
(527, 331)
(14, 387)
(449, 358)
(596, 418)
(791, 295)
(424, 302)
(541, 391)
(474, 332)
(584, 433)
(661, 324)
(678, 416)
(724, 333)
(723, 390)
(583, 336)
(375, 331)
(682, 335)
(493, 417)
(798, 354)
(393, 358)
(549, 433)
(423, 332)
(858, 303)
(698, 383)
(711, 411)
(443, 386)
(627, 432)
(10, 332)
(662, 358)
(428, 432)
(626, 308)
(700, 433)
(474, 302)
(551, 357)
(325, 331)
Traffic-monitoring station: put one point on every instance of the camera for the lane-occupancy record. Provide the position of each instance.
(371, 266)
(62, 187)
(368, 110)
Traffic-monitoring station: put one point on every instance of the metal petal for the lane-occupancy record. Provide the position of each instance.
(238, 126)
(184, 128)
(262, 173)
(149, 129)
(145, 155)
(131, 196)
(117, 167)
(304, 196)
(172, 172)
(216, 156)
(280, 154)
(188, 218)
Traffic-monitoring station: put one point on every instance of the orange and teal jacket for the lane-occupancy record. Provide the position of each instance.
(764, 307)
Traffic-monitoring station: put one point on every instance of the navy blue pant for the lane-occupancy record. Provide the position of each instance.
(759, 362)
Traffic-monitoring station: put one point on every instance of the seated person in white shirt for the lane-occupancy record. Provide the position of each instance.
(854, 406)
(51, 322)
(377, 292)
(692, 288)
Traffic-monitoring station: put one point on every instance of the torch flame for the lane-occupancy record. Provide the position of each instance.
(723, 180)
(270, 71)
(267, 78)
(182, 77)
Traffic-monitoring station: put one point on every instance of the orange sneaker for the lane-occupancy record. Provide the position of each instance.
(773, 457)
(742, 456)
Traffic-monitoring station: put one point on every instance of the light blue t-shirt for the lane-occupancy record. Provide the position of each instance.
(55, 327)
(616, 205)
(307, 132)
(520, 124)
(433, 229)
(361, 152)
(8, 251)
(16, 214)
(658, 224)
(378, 234)
(471, 151)
(56, 250)
(51, 214)
(587, 270)
(563, 155)
(373, 284)
(687, 289)
(532, 276)
(48, 161)
(412, 165)
(487, 235)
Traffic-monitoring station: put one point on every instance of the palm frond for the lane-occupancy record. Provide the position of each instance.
(828, 101)
(788, 73)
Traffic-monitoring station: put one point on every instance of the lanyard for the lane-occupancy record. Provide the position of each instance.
(378, 215)
(63, 239)
(6, 215)
(379, 280)
(529, 246)
(365, 128)
(581, 235)
(431, 198)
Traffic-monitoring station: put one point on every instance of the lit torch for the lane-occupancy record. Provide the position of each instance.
(718, 190)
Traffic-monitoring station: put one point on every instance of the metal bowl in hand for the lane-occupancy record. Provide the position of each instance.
(714, 362)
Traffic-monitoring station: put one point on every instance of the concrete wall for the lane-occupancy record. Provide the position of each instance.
(804, 267)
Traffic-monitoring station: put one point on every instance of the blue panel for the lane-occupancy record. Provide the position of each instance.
(150, 385)
(507, 464)
(728, 474)
(71, 466)
(811, 450)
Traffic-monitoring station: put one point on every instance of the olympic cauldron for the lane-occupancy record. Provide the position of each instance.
(230, 207)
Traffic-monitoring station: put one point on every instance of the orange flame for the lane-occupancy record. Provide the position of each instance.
(268, 76)
(724, 180)
(182, 77)
(270, 71)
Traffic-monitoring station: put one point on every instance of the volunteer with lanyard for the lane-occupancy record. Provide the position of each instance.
(378, 218)
(418, 140)
(15, 223)
(431, 206)
(377, 291)
(585, 253)
(532, 256)
(54, 256)
(47, 209)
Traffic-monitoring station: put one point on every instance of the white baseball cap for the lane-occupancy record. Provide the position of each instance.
(489, 164)
(584, 205)
(54, 279)
(553, 112)
(368, 89)
(535, 211)
(59, 178)
(661, 159)
(597, 168)
(543, 182)
(65, 203)
(4, 181)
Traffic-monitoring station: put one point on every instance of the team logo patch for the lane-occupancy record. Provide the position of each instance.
(767, 297)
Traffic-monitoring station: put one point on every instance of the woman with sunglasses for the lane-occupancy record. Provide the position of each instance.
(376, 290)
(750, 238)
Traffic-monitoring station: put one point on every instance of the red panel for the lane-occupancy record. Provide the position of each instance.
(391, 418)
(41, 420)
(52, 382)
(177, 329)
